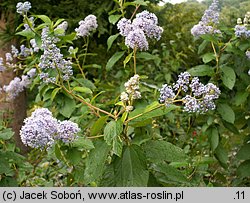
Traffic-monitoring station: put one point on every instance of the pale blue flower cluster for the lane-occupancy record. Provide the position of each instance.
(41, 130)
(86, 26)
(198, 97)
(2, 66)
(241, 29)
(52, 59)
(144, 25)
(208, 21)
(23, 8)
(17, 85)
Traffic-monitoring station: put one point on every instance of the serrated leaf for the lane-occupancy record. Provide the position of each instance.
(83, 143)
(221, 155)
(68, 107)
(166, 173)
(111, 40)
(127, 59)
(226, 113)
(112, 131)
(98, 125)
(208, 57)
(158, 151)
(114, 59)
(131, 168)
(95, 162)
(213, 137)
(228, 77)
(83, 90)
(244, 169)
(244, 152)
(114, 18)
(201, 70)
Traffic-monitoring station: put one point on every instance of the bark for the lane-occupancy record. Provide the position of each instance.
(13, 111)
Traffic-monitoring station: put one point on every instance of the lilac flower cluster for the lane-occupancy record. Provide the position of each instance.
(136, 32)
(198, 97)
(241, 29)
(52, 59)
(209, 19)
(2, 66)
(86, 26)
(23, 8)
(17, 85)
(41, 129)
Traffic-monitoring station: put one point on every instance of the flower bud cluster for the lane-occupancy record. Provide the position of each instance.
(132, 91)
(63, 26)
(241, 29)
(198, 97)
(136, 32)
(86, 26)
(41, 130)
(209, 19)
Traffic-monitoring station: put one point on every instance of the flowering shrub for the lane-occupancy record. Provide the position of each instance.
(120, 137)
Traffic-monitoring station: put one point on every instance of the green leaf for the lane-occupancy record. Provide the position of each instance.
(244, 169)
(59, 31)
(240, 98)
(26, 33)
(60, 20)
(54, 93)
(213, 137)
(98, 125)
(244, 152)
(146, 56)
(6, 134)
(127, 59)
(208, 57)
(221, 155)
(131, 168)
(73, 155)
(114, 18)
(95, 162)
(146, 113)
(201, 70)
(111, 40)
(83, 90)
(202, 46)
(228, 77)
(83, 143)
(68, 107)
(44, 18)
(158, 151)
(114, 59)
(230, 127)
(166, 173)
(112, 132)
(226, 113)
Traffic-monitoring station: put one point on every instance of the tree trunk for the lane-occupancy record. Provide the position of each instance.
(13, 111)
